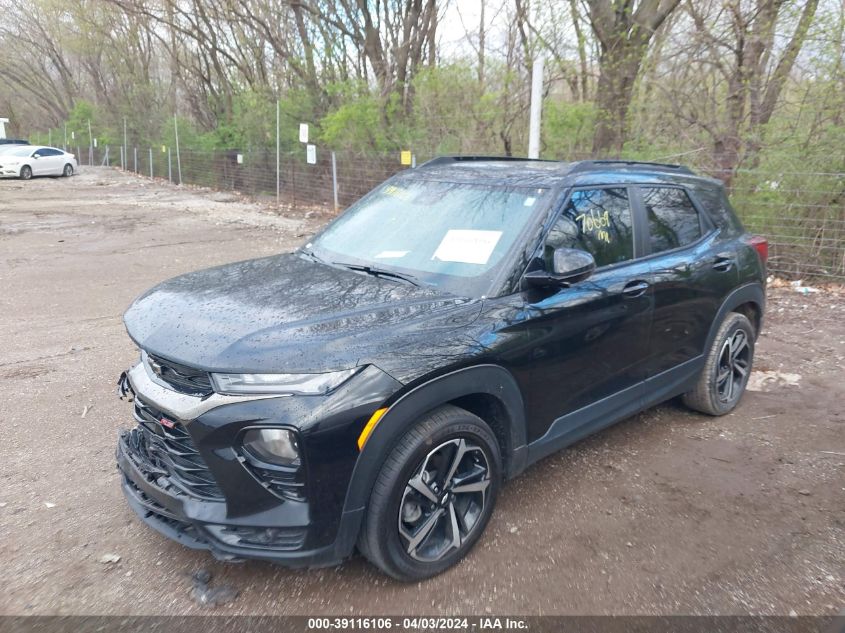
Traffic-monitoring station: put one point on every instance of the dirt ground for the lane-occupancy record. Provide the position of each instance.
(668, 512)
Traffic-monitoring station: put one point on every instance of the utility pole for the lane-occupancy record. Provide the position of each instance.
(536, 109)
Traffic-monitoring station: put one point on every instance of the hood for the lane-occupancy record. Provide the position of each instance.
(287, 313)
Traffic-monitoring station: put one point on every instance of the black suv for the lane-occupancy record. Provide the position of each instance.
(373, 389)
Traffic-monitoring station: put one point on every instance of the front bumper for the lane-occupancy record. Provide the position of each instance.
(244, 519)
(200, 524)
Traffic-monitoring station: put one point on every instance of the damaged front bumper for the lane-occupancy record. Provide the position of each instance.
(184, 474)
(277, 534)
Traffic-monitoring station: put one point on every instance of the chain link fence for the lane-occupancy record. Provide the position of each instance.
(801, 213)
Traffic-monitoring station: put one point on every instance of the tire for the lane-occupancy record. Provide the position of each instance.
(400, 510)
(26, 172)
(67, 172)
(722, 383)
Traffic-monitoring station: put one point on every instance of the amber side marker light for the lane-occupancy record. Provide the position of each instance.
(371, 424)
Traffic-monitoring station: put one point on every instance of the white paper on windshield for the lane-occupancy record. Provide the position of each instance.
(391, 254)
(529, 202)
(466, 246)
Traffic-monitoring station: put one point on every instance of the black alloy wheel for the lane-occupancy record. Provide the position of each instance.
(444, 499)
(727, 368)
(434, 495)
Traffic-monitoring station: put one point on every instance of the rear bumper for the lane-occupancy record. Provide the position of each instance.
(275, 535)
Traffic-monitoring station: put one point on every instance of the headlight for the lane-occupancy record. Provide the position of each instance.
(277, 446)
(282, 384)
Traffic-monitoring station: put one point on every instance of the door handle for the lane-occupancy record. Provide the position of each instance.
(723, 263)
(634, 289)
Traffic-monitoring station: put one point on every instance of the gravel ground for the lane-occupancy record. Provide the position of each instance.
(668, 512)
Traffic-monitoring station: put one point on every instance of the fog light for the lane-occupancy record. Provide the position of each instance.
(277, 446)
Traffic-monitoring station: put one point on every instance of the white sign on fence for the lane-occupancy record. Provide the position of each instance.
(311, 154)
(303, 132)
(240, 159)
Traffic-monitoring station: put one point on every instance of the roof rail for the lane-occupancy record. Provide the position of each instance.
(444, 160)
(594, 165)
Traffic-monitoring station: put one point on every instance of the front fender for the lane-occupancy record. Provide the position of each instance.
(492, 380)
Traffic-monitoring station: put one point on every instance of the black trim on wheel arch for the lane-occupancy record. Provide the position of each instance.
(484, 379)
(749, 293)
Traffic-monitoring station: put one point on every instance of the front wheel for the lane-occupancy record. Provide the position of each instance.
(26, 172)
(433, 497)
(68, 171)
(726, 369)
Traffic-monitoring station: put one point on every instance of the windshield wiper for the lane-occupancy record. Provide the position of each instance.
(375, 271)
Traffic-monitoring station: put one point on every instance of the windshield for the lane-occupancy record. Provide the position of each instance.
(21, 151)
(452, 235)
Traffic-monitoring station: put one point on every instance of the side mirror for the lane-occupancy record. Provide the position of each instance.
(568, 267)
(36, 155)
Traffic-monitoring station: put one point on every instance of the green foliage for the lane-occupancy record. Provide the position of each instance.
(567, 129)
(355, 125)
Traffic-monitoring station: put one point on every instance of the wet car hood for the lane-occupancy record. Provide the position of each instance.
(289, 314)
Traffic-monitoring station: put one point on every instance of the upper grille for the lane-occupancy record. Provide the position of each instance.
(180, 377)
(170, 453)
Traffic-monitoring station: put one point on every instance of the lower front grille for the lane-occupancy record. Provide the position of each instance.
(168, 454)
(285, 539)
(162, 515)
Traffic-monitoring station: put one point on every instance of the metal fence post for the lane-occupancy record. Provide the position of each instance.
(151, 163)
(135, 160)
(278, 175)
(334, 180)
(178, 158)
(169, 167)
(122, 163)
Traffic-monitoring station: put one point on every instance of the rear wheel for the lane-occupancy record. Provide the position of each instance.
(68, 171)
(433, 497)
(727, 368)
(26, 172)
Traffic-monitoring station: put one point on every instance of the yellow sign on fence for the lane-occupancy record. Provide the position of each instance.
(405, 157)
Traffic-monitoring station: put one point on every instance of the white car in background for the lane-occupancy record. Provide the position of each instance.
(26, 161)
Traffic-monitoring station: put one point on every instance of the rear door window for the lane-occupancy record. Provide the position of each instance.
(673, 220)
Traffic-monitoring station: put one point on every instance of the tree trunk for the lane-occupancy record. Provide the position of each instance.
(623, 29)
(620, 65)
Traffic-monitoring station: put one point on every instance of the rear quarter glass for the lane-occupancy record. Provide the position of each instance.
(714, 200)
